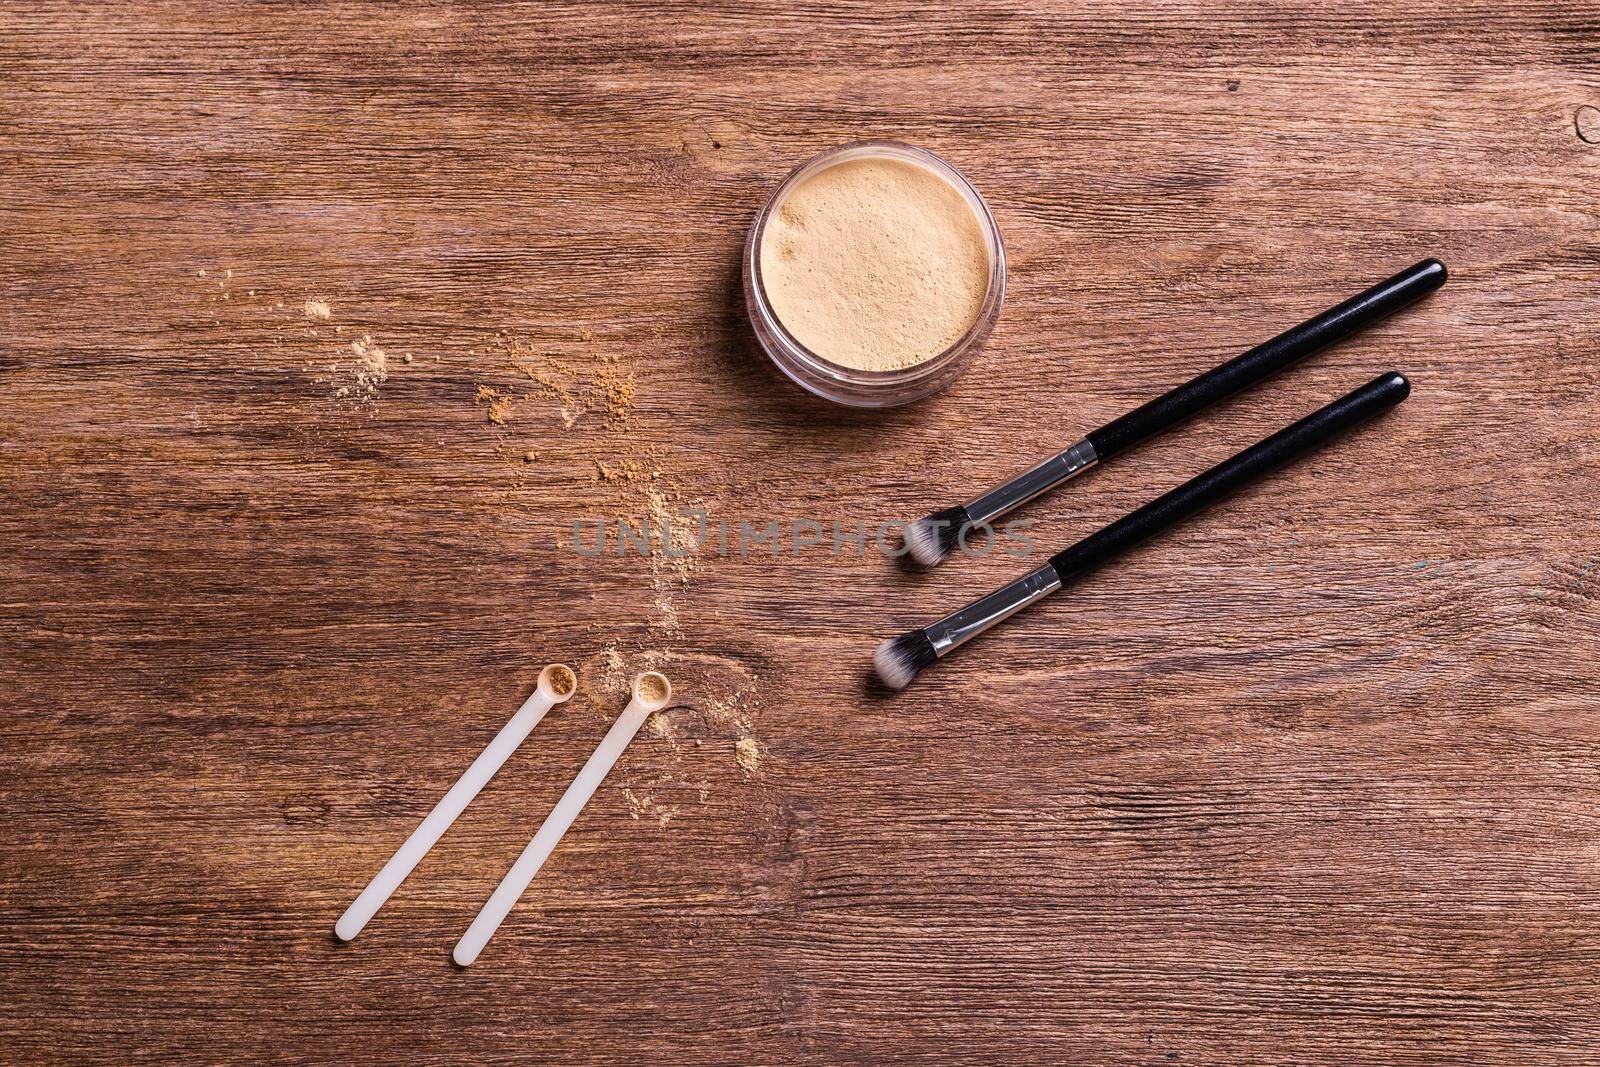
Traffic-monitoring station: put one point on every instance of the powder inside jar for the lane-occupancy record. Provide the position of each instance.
(876, 264)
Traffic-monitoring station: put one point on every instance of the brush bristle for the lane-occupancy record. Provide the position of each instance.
(931, 539)
(900, 660)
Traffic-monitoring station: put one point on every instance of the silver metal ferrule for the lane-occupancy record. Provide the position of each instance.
(962, 626)
(1024, 487)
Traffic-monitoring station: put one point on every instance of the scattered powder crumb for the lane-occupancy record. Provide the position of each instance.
(642, 804)
(627, 470)
(499, 403)
(683, 541)
(608, 387)
(613, 389)
(530, 456)
(613, 679)
(353, 370)
(674, 533)
(675, 541)
(620, 390)
(661, 726)
(724, 709)
(637, 805)
(556, 379)
(747, 751)
(358, 378)
(371, 369)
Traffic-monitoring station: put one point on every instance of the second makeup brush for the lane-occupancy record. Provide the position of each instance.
(900, 659)
(931, 539)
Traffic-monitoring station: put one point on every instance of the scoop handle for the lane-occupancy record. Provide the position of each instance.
(1254, 463)
(516, 880)
(1267, 358)
(444, 813)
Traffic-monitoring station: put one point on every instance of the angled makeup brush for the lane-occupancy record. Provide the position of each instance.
(899, 660)
(931, 539)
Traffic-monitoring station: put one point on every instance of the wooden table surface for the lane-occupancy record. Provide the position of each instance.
(1314, 779)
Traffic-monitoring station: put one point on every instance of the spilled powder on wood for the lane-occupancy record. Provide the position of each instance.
(642, 805)
(499, 403)
(611, 389)
(747, 752)
(371, 368)
(352, 370)
(619, 391)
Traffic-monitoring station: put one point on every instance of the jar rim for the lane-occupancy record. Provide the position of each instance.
(886, 387)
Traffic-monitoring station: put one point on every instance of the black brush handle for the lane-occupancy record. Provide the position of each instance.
(1268, 358)
(1255, 462)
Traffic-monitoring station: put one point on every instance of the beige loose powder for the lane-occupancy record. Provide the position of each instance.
(876, 264)
(652, 687)
(562, 680)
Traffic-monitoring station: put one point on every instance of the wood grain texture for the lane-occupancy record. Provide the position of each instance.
(1312, 780)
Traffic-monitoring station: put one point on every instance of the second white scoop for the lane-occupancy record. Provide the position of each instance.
(651, 693)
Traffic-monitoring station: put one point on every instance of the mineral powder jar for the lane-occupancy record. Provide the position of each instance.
(873, 273)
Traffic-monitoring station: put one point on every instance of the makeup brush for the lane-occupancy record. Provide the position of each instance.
(556, 685)
(899, 660)
(651, 693)
(931, 539)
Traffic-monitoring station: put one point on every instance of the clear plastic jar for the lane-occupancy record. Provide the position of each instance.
(848, 385)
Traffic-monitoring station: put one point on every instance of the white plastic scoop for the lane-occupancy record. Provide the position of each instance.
(557, 683)
(651, 693)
